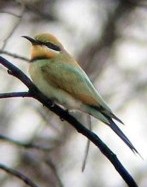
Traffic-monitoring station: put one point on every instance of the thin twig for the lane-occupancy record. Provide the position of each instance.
(24, 145)
(54, 170)
(87, 144)
(14, 55)
(15, 27)
(19, 175)
(15, 94)
(10, 13)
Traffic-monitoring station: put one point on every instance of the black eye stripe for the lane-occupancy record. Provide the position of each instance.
(52, 46)
(49, 45)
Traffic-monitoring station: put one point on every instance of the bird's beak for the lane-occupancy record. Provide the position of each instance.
(31, 40)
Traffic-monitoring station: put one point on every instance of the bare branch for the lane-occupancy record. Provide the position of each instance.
(63, 114)
(24, 145)
(54, 170)
(14, 55)
(14, 27)
(10, 13)
(15, 94)
(19, 175)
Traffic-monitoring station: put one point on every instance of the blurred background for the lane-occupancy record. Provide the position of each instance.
(109, 40)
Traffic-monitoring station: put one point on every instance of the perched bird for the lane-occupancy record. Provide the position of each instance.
(58, 76)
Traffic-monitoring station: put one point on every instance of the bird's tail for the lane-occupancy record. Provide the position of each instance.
(107, 117)
(117, 130)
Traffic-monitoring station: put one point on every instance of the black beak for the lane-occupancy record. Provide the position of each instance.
(31, 40)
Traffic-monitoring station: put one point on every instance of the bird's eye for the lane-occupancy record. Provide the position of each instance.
(52, 46)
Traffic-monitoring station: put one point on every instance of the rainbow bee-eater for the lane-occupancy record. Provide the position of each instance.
(58, 76)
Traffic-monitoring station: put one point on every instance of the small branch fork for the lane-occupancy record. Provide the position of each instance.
(63, 114)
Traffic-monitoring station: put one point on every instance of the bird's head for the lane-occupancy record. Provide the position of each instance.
(44, 46)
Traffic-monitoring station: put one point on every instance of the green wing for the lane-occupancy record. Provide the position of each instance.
(72, 80)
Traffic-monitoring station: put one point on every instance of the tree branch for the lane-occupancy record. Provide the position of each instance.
(27, 145)
(19, 175)
(15, 94)
(14, 27)
(13, 55)
(63, 114)
(54, 170)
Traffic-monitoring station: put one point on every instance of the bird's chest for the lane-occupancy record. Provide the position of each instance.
(39, 69)
(37, 76)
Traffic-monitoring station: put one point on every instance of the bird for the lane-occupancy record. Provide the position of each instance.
(59, 77)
